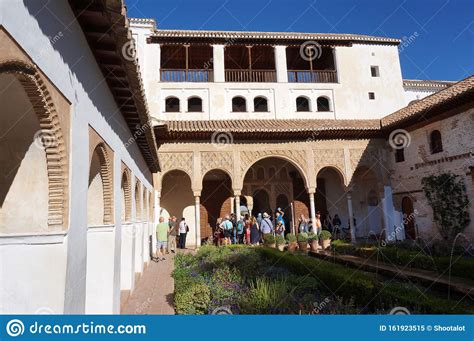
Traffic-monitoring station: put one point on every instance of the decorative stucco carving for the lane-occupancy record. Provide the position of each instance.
(179, 161)
(126, 187)
(53, 139)
(216, 160)
(363, 157)
(107, 181)
(329, 158)
(297, 157)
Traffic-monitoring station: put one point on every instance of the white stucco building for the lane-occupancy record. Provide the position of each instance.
(108, 123)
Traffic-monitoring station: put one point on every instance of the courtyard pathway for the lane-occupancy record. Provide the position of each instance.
(154, 291)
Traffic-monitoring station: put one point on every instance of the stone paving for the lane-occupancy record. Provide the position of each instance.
(153, 293)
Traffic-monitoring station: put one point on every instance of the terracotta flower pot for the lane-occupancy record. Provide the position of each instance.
(281, 247)
(314, 245)
(273, 246)
(292, 246)
(325, 243)
(303, 246)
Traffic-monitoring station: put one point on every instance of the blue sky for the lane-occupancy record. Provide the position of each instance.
(442, 31)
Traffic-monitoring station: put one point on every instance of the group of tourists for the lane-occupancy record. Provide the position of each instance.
(248, 229)
(166, 235)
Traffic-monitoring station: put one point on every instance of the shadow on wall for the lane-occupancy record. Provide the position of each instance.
(85, 74)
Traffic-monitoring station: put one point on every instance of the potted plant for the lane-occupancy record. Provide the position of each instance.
(302, 239)
(313, 241)
(269, 240)
(292, 244)
(325, 238)
(280, 242)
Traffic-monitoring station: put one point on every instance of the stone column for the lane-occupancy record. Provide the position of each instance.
(157, 207)
(351, 216)
(197, 212)
(280, 64)
(312, 208)
(237, 205)
(218, 62)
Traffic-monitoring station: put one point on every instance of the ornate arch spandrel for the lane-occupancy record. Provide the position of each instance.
(332, 158)
(217, 160)
(296, 157)
(52, 137)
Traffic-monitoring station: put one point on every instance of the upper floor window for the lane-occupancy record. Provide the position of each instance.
(436, 144)
(194, 104)
(400, 154)
(323, 104)
(239, 104)
(260, 104)
(374, 71)
(371, 95)
(172, 104)
(302, 104)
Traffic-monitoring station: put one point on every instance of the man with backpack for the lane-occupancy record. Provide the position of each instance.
(266, 225)
(240, 231)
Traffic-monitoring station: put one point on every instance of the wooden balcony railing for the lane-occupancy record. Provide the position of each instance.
(306, 76)
(250, 76)
(182, 75)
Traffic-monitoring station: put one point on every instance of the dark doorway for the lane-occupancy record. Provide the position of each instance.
(408, 218)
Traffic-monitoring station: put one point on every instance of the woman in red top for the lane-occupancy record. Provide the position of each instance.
(248, 225)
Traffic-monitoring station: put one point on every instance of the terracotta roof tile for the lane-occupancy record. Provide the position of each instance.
(463, 90)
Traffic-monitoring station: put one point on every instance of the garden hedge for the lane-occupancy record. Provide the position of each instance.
(363, 287)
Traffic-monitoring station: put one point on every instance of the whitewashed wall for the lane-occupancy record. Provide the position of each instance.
(349, 98)
(51, 272)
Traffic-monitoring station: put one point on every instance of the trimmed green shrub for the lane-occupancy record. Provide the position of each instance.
(280, 240)
(312, 236)
(194, 300)
(268, 239)
(325, 235)
(302, 237)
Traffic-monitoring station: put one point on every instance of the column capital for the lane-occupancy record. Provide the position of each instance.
(237, 192)
(197, 194)
(311, 190)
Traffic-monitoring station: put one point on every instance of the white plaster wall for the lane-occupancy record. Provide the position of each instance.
(349, 97)
(100, 270)
(71, 67)
(416, 94)
(32, 272)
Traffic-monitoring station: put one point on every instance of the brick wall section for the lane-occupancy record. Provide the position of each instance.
(215, 203)
(457, 137)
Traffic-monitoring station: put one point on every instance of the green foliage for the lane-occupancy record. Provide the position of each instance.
(291, 238)
(364, 289)
(393, 254)
(302, 237)
(446, 194)
(325, 235)
(194, 300)
(280, 240)
(312, 236)
(268, 239)
(266, 296)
